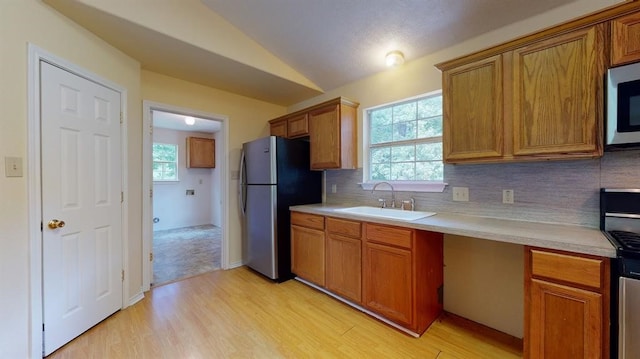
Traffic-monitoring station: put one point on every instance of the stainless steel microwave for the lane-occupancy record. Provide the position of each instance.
(623, 107)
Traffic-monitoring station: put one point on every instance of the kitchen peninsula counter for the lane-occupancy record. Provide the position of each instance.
(570, 238)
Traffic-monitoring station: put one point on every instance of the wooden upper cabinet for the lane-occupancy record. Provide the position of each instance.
(472, 101)
(533, 100)
(625, 39)
(557, 96)
(278, 128)
(332, 135)
(298, 126)
(332, 130)
(201, 152)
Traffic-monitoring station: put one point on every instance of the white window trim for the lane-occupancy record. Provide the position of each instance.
(403, 186)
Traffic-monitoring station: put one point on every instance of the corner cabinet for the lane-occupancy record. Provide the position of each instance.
(567, 298)
(201, 152)
(331, 127)
(540, 100)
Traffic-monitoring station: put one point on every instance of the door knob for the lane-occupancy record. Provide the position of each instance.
(54, 223)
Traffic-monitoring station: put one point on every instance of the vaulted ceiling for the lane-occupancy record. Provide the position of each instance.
(287, 51)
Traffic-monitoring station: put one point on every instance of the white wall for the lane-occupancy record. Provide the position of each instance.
(170, 203)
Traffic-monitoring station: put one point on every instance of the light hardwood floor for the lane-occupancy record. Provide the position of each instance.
(238, 314)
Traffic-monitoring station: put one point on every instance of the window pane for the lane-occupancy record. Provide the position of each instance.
(431, 171)
(380, 125)
(404, 112)
(380, 172)
(381, 155)
(431, 127)
(157, 171)
(403, 171)
(430, 107)
(403, 153)
(170, 171)
(404, 131)
(429, 151)
(162, 152)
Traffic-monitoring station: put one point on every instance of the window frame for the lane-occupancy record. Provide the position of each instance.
(177, 162)
(409, 186)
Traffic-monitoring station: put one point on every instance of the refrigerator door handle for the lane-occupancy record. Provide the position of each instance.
(243, 184)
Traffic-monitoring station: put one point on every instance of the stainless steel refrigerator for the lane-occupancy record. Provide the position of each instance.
(274, 174)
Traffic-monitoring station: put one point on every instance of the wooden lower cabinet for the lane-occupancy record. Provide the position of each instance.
(566, 305)
(403, 275)
(308, 247)
(344, 258)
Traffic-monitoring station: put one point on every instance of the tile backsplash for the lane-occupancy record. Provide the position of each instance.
(551, 191)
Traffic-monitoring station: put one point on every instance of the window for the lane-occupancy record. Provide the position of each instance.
(165, 162)
(404, 142)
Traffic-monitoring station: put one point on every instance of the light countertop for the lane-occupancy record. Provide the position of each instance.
(552, 236)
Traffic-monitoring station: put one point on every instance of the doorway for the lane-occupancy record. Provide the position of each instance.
(184, 227)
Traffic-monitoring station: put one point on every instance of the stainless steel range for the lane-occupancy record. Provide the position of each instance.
(620, 222)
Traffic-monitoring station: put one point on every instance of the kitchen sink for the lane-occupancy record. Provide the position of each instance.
(386, 213)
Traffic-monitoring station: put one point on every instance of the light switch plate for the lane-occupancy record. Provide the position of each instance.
(13, 166)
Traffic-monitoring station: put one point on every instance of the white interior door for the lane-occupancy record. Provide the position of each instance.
(81, 188)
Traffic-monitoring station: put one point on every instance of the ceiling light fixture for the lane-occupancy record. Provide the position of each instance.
(189, 120)
(394, 58)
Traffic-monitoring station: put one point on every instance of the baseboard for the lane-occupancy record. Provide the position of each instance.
(485, 331)
(136, 298)
(235, 265)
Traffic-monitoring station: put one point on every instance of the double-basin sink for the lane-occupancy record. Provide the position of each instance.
(388, 213)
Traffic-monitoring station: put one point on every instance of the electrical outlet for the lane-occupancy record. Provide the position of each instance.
(507, 196)
(13, 166)
(461, 194)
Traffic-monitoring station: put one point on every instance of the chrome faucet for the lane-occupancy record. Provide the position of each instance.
(393, 194)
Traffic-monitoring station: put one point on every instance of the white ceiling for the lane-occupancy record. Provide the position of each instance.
(330, 42)
(334, 42)
(174, 121)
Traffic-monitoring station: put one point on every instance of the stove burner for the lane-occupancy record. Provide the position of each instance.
(628, 240)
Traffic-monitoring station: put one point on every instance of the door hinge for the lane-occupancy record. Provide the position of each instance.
(121, 197)
(121, 117)
(123, 275)
(151, 193)
(151, 130)
(41, 229)
(151, 257)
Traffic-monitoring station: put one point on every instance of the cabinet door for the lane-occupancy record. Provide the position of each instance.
(344, 266)
(308, 254)
(565, 322)
(298, 126)
(625, 36)
(324, 130)
(388, 282)
(473, 111)
(279, 129)
(201, 152)
(557, 94)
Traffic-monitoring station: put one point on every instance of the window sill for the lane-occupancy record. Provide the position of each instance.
(166, 182)
(406, 186)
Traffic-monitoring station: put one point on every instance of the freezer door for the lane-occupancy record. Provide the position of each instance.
(260, 161)
(260, 229)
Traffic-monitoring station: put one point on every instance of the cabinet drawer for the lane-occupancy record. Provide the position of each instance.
(344, 227)
(567, 268)
(307, 220)
(395, 236)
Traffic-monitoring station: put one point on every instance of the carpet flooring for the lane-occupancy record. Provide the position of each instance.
(184, 252)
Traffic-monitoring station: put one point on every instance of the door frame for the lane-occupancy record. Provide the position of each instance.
(222, 153)
(35, 56)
